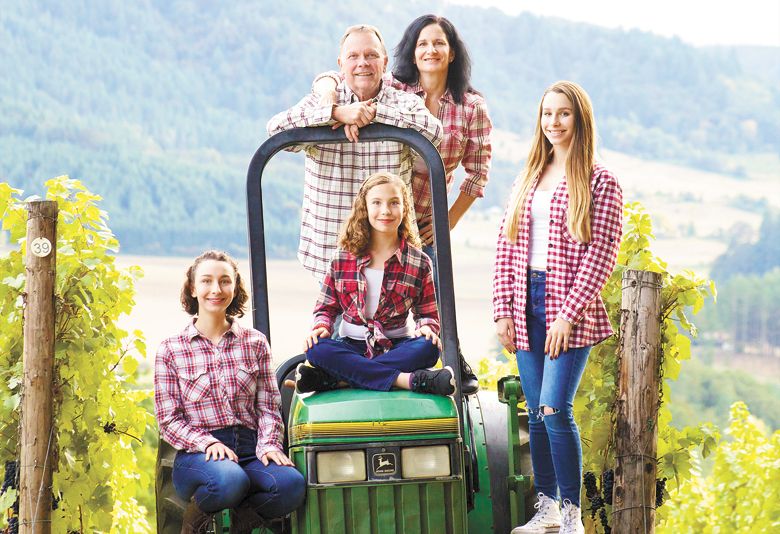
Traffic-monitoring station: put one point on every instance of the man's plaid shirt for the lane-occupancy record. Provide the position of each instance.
(335, 172)
(407, 284)
(576, 272)
(466, 141)
(200, 387)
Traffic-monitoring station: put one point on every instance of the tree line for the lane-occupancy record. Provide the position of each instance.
(157, 105)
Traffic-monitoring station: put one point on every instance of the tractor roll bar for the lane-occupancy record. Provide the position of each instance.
(372, 132)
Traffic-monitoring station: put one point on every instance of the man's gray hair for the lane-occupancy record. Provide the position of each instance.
(363, 28)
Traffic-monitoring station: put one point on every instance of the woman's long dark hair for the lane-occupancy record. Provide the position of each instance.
(459, 74)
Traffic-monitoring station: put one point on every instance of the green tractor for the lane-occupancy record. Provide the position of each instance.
(397, 461)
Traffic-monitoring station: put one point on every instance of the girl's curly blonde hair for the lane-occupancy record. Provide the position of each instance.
(355, 236)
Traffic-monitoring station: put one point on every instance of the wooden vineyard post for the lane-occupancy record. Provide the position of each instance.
(37, 435)
(637, 417)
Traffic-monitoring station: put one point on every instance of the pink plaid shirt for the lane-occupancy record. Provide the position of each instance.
(200, 387)
(407, 284)
(576, 272)
(334, 173)
(466, 141)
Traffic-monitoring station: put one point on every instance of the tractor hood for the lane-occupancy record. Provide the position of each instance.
(356, 415)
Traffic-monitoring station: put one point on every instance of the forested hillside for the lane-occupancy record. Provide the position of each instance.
(158, 105)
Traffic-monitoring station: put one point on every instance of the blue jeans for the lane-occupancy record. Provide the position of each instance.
(272, 490)
(345, 360)
(556, 453)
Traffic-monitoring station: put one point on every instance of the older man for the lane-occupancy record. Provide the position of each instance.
(334, 172)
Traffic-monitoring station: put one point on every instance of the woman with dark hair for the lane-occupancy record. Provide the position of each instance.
(432, 62)
(216, 401)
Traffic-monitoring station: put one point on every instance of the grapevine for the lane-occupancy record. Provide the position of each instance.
(97, 482)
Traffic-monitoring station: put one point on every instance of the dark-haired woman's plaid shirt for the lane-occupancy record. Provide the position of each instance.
(407, 285)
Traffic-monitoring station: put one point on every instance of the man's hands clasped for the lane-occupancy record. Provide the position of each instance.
(353, 117)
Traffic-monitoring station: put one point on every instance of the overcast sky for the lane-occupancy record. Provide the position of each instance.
(698, 22)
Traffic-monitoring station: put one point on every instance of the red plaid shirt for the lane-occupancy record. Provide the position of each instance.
(576, 272)
(200, 387)
(407, 284)
(334, 173)
(466, 141)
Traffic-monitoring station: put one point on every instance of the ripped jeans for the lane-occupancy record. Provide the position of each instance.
(556, 453)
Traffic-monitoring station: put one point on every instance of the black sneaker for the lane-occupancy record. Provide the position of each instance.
(468, 380)
(308, 378)
(436, 381)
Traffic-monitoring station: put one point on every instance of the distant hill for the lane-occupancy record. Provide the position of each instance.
(158, 106)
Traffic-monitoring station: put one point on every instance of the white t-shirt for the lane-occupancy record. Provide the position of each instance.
(540, 229)
(374, 278)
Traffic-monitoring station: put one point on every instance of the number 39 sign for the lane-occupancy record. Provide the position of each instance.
(41, 247)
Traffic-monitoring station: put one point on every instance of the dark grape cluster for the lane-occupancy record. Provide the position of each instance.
(592, 493)
(605, 521)
(607, 481)
(589, 481)
(9, 481)
(660, 491)
(109, 428)
(599, 499)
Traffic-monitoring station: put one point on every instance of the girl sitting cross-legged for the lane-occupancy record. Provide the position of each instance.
(378, 275)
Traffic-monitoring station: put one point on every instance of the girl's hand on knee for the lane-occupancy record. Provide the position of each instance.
(557, 340)
(429, 334)
(220, 451)
(505, 330)
(277, 457)
(314, 336)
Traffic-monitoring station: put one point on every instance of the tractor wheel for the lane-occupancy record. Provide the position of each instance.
(494, 418)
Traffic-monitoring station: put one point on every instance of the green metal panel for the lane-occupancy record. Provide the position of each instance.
(406, 508)
(332, 508)
(383, 503)
(433, 502)
(411, 506)
(358, 518)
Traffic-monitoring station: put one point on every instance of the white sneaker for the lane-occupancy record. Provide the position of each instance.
(547, 519)
(571, 522)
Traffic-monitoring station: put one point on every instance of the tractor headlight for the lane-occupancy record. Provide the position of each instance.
(425, 462)
(341, 466)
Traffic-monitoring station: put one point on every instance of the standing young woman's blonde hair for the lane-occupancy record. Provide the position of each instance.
(579, 165)
(355, 235)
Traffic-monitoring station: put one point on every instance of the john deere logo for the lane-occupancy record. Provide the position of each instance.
(384, 464)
